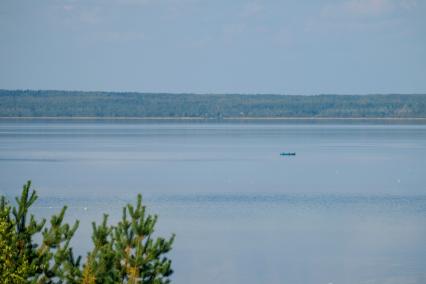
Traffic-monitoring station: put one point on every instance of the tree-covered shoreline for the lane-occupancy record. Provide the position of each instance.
(31, 103)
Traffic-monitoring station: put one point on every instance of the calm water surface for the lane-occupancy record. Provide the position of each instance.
(349, 208)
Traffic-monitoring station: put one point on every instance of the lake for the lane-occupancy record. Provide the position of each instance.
(350, 207)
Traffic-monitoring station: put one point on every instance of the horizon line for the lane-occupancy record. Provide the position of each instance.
(212, 93)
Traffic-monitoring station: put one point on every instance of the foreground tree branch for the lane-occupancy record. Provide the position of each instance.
(123, 253)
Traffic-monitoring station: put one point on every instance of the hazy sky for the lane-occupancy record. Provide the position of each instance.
(287, 46)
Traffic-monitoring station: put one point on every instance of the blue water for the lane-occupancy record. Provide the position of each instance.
(350, 207)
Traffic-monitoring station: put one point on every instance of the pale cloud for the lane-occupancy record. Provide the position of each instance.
(367, 8)
(90, 15)
(384, 18)
(408, 4)
(122, 36)
(232, 30)
(153, 2)
(365, 45)
(252, 9)
(134, 2)
(77, 12)
(68, 7)
(284, 37)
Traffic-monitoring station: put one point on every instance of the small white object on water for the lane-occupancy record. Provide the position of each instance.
(398, 181)
(85, 208)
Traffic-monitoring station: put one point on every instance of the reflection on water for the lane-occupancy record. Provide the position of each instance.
(349, 208)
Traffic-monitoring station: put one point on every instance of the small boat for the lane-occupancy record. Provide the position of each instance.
(288, 154)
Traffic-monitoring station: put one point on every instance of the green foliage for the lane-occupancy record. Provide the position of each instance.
(14, 263)
(141, 258)
(30, 103)
(125, 253)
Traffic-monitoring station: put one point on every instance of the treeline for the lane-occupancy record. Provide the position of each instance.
(29, 103)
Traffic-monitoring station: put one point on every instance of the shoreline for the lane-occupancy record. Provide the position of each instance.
(210, 118)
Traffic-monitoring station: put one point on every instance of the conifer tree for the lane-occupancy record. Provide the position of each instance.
(125, 253)
(14, 265)
(141, 256)
(128, 252)
(52, 261)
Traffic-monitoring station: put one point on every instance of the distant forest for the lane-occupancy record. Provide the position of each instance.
(28, 103)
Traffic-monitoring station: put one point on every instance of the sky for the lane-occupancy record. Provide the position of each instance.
(216, 46)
